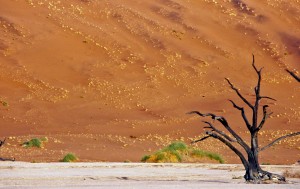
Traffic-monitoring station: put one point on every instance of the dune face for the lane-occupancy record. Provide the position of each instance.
(112, 80)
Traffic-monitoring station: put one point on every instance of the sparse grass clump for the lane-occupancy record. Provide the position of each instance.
(176, 146)
(69, 158)
(210, 155)
(145, 158)
(179, 152)
(35, 142)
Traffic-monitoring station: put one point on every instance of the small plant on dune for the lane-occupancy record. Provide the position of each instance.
(69, 158)
(179, 152)
(177, 146)
(145, 158)
(35, 142)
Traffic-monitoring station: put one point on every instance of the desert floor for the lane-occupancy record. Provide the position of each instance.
(113, 80)
(131, 175)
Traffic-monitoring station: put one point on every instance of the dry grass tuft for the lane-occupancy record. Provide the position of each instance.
(180, 152)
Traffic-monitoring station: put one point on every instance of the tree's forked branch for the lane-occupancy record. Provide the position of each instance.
(243, 114)
(279, 139)
(225, 124)
(234, 149)
(253, 65)
(265, 117)
(257, 88)
(239, 94)
(219, 132)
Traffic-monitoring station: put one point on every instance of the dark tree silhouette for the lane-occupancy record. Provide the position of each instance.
(293, 75)
(2, 142)
(254, 173)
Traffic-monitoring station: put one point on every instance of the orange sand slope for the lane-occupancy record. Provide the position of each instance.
(112, 80)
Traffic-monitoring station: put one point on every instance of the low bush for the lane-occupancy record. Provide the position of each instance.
(180, 152)
(210, 155)
(35, 142)
(69, 158)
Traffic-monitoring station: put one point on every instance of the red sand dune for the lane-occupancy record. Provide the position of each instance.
(112, 80)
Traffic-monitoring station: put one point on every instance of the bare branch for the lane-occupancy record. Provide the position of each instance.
(279, 139)
(243, 114)
(266, 97)
(253, 65)
(199, 140)
(293, 75)
(220, 132)
(257, 88)
(234, 149)
(225, 124)
(238, 93)
(266, 115)
(213, 116)
(257, 96)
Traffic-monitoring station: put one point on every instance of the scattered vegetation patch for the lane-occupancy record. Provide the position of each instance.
(180, 152)
(210, 155)
(69, 158)
(35, 142)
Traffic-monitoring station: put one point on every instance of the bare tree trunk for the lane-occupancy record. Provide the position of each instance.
(254, 173)
(2, 142)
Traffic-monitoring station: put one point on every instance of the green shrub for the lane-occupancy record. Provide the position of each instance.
(145, 158)
(160, 156)
(69, 158)
(176, 146)
(178, 152)
(210, 155)
(35, 142)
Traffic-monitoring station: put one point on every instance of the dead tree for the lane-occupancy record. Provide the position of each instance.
(254, 173)
(2, 142)
(293, 75)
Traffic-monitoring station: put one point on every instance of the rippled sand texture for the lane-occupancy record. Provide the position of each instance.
(112, 80)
